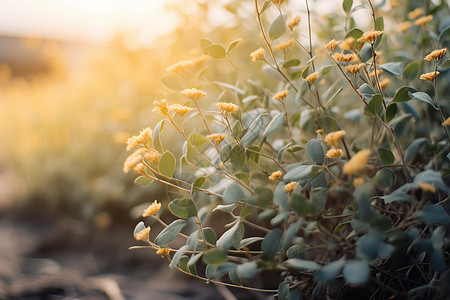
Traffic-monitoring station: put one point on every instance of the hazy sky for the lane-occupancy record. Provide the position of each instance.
(88, 20)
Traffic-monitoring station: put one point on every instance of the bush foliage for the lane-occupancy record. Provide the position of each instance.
(325, 152)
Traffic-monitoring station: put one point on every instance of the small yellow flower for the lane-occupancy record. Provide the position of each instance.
(423, 20)
(312, 77)
(358, 181)
(257, 54)
(161, 107)
(217, 137)
(153, 209)
(332, 44)
(429, 76)
(133, 159)
(369, 36)
(285, 46)
(427, 188)
(275, 175)
(163, 251)
(181, 67)
(384, 83)
(357, 163)
(354, 69)
(394, 3)
(293, 22)
(436, 54)
(345, 57)
(143, 139)
(226, 107)
(140, 168)
(280, 95)
(320, 131)
(404, 26)
(416, 13)
(333, 153)
(180, 109)
(379, 72)
(333, 138)
(290, 186)
(446, 122)
(193, 94)
(347, 44)
(152, 155)
(143, 235)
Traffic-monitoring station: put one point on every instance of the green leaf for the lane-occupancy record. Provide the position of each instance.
(325, 70)
(215, 51)
(433, 178)
(249, 241)
(278, 120)
(266, 5)
(291, 63)
(263, 197)
(167, 164)
(271, 243)
(391, 111)
(225, 152)
(253, 131)
(283, 291)
(327, 123)
(176, 258)
(375, 106)
(280, 197)
(233, 45)
(157, 136)
(423, 97)
(412, 150)
(173, 82)
(237, 157)
(301, 264)
(445, 64)
(302, 172)
(143, 181)
(399, 194)
(366, 91)
(347, 5)
(433, 214)
(395, 68)
(289, 234)
(305, 72)
(277, 28)
(402, 94)
(330, 271)
(215, 257)
(198, 183)
(226, 208)
(233, 193)
(139, 227)
(355, 33)
(356, 272)
(234, 276)
(169, 233)
(410, 71)
(315, 151)
(185, 266)
(386, 156)
(247, 270)
(183, 208)
(437, 261)
(205, 43)
(385, 178)
(232, 237)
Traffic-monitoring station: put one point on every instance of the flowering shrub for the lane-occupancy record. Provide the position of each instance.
(331, 175)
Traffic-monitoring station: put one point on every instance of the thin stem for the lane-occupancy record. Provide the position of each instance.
(201, 230)
(438, 106)
(287, 121)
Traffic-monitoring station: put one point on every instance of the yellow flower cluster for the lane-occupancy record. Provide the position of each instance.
(436, 54)
(152, 155)
(426, 187)
(379, 72)
(404, 26)
(285, 46)
(133, 159)
(275, 175)
(347, 44)
(280, 95)
(357, 163)
(290, 186)
(293, 22)
(429, 76)
(193, 94)
(161, 107)
(143, 139)
(217, 137)
(180, 109)
(384, 83)
(140, 168)
(345, 57)
(143, 235)
(226, 107)
(358, 181)
(163, 251)
(312, 77)
(354, 69)
(423, 20)
(333, 153)
(153, 209)
(332, 44)
(446, 122)
(416, 13)
(258, 54)
(369, 37)
(181, 67)
(333, 138)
